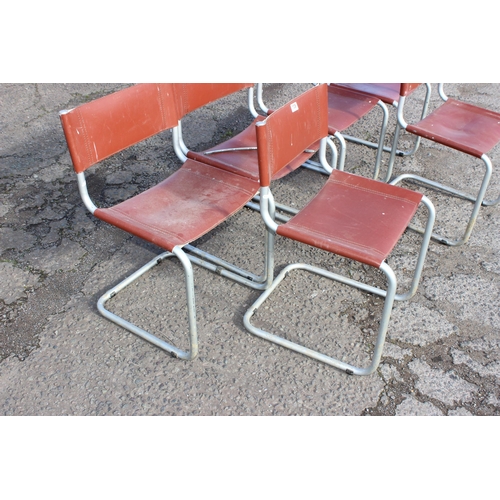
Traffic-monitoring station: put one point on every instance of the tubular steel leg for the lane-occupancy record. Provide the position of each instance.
(389, 149)
(227, 270)
(381, 139)
(392, 156)
(380, 146)
(416, 144)
(174, 351)
(478, 200)
(423, 250)
(384, 322)
(488, 203)
(337, 160)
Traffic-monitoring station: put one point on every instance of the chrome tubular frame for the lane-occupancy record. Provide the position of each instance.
(389, 149)
(153, 339)
(267, 209)
(389, 296)
(478, 201)
(207, 261)
(378, 146)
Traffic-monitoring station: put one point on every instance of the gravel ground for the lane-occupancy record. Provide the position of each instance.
(60, 357)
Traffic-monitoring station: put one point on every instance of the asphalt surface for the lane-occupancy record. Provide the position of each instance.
(60, 357)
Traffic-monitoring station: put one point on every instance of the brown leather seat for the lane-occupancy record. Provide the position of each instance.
(386, 92)
(346, 106)
(355, 218)
(195, 199)
(461, 126)
(183, 207)
(239, 155)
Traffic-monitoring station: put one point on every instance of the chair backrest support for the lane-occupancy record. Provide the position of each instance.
(407, 88)
(191, 96)
(287, 132)
(101, 128)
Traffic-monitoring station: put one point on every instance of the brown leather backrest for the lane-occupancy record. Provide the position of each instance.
(407, 88)
(98, 129)
(291, 129)
(192, 96)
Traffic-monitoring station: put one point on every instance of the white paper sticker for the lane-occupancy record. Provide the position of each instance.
(294, 107)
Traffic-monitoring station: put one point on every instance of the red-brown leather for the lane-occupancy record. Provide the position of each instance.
(354, 217)
(98, 129)
(186, 205)
(408, 88)
(288, 132)
(191, 96)
(386, 92)
(461, 126)
(346, 106)
(245, 162)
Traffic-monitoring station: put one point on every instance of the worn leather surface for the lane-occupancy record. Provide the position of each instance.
(346, 106)
(386, 92)
(289, 131)
(183, 207)
(462, 126)
(98, 129)
(354, 217)
(245, 162)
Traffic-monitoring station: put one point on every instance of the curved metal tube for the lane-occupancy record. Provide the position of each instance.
(149, 337)
(423, 250)
(336, 363)
(82, 188)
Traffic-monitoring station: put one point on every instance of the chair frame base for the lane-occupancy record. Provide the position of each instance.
(477, 200)
(390, 149)
(188, 272)
(389, 297)
(201, 259)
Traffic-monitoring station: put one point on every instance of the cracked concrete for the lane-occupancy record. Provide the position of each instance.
(60, 357)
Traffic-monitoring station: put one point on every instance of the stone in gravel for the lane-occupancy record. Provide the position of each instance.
(412, 407)
(418, 325)
(459, 412)
(19, 240)
(491, 369)
(63, 257)
(14, 282)
(117, 178)
(395, 352)
(447, 387)
(460, 289)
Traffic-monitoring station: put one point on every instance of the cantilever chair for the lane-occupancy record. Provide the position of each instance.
(203, 193)
(345, 108)
(460, 126)
(180, 209)
(351, 216)
(388, 93)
